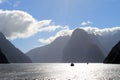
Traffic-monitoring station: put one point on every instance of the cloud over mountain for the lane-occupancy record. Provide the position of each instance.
(107, 36)
(102, 32)
(86, 39)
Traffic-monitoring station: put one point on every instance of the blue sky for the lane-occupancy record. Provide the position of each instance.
(71, 13)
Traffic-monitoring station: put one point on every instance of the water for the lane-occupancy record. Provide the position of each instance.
(59, 71)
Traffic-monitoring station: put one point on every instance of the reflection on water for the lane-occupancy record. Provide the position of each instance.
(59, 71)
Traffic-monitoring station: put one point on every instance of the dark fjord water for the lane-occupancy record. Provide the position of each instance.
(59, 71)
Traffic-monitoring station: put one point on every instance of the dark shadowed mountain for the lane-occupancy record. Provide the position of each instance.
(114, 55)
(3, 58)
(82, 47)
(49, 53)
(13, 54)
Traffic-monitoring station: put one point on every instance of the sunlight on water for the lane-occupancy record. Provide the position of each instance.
(59, 71)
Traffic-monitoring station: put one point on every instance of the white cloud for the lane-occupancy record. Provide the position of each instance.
(65, 31)
(50, 28)
(102, 32)
(86, 23)
(20, 24)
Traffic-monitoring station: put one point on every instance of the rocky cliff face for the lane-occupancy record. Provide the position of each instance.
(82, 48)
(13, 54)
(3, 58)
(114, 55)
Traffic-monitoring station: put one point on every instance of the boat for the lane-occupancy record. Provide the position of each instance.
(72, 64)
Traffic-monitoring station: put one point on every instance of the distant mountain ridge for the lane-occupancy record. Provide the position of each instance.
(49, 53)
(62, 48)
(13, 54)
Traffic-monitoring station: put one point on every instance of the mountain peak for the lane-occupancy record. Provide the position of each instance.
(80, 35)
(77, 30)
(80, 32)
(82, 48)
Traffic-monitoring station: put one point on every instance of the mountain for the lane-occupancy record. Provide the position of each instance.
(3, 58)
(96, 41)
(108, 41)
(13, 54)
(114, 55)
(82, 47)
(49, 53)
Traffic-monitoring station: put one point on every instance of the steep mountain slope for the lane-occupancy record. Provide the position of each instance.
(82, 48)
(114, 55)
(49, 53)
(13, 54)
(3, 58)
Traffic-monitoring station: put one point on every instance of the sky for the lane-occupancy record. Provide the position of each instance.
(33, 23)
